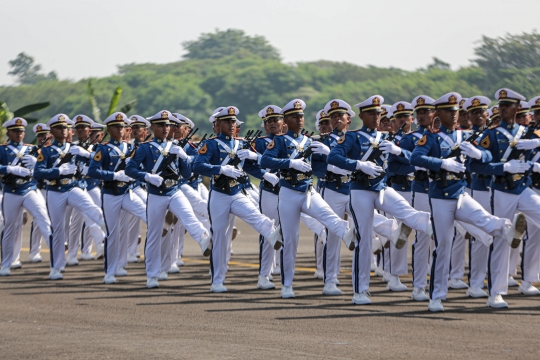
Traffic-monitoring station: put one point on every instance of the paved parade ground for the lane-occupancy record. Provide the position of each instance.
(82, 318)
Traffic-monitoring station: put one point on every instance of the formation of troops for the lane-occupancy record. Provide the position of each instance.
(455, 171)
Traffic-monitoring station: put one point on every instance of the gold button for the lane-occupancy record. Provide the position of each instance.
(445, 194)
(427, 189)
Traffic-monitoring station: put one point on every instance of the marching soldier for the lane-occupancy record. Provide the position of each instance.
(62, 191)
(369, 190)
(296, 195)
(20, 192)
(510, 186)
(447, 196)
(163, 193)
(107, 165)
(228, 197)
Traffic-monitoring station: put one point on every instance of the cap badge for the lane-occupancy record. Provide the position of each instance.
(400, 107)
(61, 118)
(452, 99)
(503, 94)
(376, 101)
(420, 101)
(164, 115)
(231, 111)
(120, 117)
(334, 105)
(297, 105)
(476, 102)
(39, 128)
(495, 111)
(18, 122)
(79, 118)
(269, 110)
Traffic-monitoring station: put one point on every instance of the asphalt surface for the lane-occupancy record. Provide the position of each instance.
(82, 318)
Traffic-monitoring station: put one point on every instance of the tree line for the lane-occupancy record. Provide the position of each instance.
(231, 68)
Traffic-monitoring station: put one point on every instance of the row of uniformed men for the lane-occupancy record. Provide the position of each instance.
(287, 153)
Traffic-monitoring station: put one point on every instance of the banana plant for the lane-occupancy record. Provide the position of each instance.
(6, 114)
(113, 104)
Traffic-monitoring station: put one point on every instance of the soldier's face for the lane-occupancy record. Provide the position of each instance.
(116, 132)
(424, 117)
(325, 127)
(448, 118)
(40, 137)
(160, 130)
(295, 122)
(83, 132)
(274, 125)
(403, 119)
(139, 132)
(341, 121)
(60, 133)
(227, 127)
(478, 117)
(371, 118)
(507, 111)
(16, 135)
(536, 116)
(463, 120)
(523, 119)
(216, 127)
(385, 125)
(184, 131)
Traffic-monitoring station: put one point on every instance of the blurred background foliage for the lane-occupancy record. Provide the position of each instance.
(231, 68)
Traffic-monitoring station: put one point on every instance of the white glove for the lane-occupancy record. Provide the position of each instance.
(178, 151)
(18, 171)
(470, 150)
(84, 170)
(536, 167)
(153, 179)
(29, 161)
(121, 176)
(418, 168)
(320, 148)
(369, 168)
(528, 144)
(452, 165)
(337, 170)
(271, 178)
(230, 171)
(67, 169)
(77, 150)
(389, 147)
(247, 154)
(516, 167)
(300, 165)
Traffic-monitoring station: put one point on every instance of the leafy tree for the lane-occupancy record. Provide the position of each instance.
(439, 64)
(223, 43)
(26, 72)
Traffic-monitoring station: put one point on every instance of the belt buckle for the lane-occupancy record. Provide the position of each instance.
(517, 177)
(64, 181)
(233, 183)
(19, 181)
(169, 183)
(51, 182)
(345, 179)
(121, 184)
(410, 178)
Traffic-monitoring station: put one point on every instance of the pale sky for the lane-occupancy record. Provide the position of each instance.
(89, 38)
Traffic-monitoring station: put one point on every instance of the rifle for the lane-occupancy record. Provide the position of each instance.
(358, 175)
(456, 152)
(516, 154)
(222, 181)
(10, 179)
(113, 184)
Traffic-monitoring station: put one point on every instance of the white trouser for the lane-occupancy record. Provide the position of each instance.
(115, 208)
(291, 204)
(168, 247)
(254, 193)
(12, 208)
(156, 208)
(136, 224)
(339, 203)
(506, 205)
(57, 204)
(35, 233)
(514, 260)
(444, 212)
(457, 256)
(420, 247)
(530, 256)
(200, 206)
(363, 202)
(220, 207)
(203, 190)
(79, 233)
(479, 245)
(398, 257)
(269, 207)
